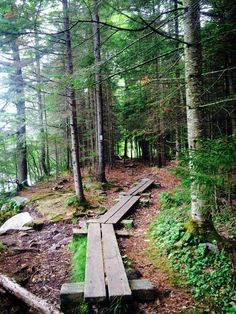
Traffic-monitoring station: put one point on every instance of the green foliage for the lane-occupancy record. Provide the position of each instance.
(73, 200)
(11, 208)
(225, 219)
(210, 275)
(117, 306)
(79, 247)
(2, 246)
(212, 165)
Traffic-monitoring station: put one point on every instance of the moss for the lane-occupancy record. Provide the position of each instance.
(205, 232)
(41, 196)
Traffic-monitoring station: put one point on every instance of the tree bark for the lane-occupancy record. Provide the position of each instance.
(72, 107)
(98, 92)
(194, 91)
(27, 297)
(41, 112)
(18, 88)
(177, 75)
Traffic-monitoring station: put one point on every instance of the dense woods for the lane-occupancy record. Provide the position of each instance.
(87, 84)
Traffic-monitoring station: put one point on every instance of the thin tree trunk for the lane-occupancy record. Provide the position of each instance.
(177, 75)
(41, 113)
(47, 144)
(72, 107)
(193, 65)
(18, 84)
(99, 101)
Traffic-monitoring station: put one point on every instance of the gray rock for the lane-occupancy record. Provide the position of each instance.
(212, 247)
(20, 200)
(4, 206)
(16, 222)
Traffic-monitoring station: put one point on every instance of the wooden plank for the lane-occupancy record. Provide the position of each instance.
(117, 281)
(120, 232)
(94, 288)
(143, 187)
(114, 209)
(120, 213)
(137, 186)
(79, 231)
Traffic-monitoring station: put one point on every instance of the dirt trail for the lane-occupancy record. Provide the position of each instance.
(172, 300)
(41, 260)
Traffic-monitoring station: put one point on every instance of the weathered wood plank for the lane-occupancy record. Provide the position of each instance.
(117, 280)
(137, 186)
(94, 288)
(119, 232)
(140, 189)
(114, 209)
(123, 210)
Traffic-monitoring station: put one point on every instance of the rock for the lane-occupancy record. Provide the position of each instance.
(16, 222)
(4, 207)
(212, 247)
(21, 201)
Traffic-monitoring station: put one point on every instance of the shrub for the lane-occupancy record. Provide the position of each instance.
(11, 208)
(210, 275)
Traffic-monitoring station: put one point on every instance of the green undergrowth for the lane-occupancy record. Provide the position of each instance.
(78, 245)
(11, 208)
(209, 275)
(2, 246)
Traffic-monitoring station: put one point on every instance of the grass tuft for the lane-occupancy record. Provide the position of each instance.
(79, 247)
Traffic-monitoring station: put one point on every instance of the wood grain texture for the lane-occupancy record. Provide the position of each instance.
(117, 280)
(123, 210)
(140, 188)
(114, 209)
(94, 289)
(137, 186)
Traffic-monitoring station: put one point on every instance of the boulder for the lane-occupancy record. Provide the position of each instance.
(16, 222)
(21, 201)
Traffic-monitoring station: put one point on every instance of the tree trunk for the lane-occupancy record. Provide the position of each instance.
(99, 101)
(41, 113)
(177, 75)
(72, 107)
(18, 87)
(36, 303)
(193, 65)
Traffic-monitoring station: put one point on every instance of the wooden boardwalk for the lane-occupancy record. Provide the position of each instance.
(105, 274)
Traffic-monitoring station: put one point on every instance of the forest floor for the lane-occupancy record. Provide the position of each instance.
(40, 260)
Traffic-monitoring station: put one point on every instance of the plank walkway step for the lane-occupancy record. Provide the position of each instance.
(94, 288)
(119, 232)
(117, 281)
(123, 210)
(105, 217)
(73, 293)
(140, 187)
